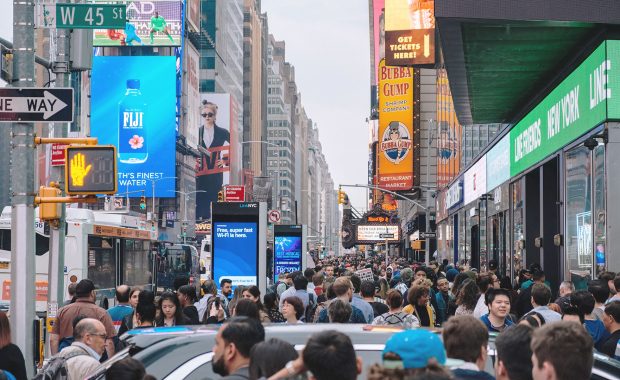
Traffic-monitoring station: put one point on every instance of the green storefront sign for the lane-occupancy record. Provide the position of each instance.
(574, 107)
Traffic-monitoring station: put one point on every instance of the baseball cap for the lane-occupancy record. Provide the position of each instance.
(84, 288)
(415, 348)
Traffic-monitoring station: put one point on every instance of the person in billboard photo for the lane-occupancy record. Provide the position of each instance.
(130, 34)
(158, 24)
(213, 161)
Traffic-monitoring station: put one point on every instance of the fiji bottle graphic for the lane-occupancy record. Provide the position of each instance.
(132, 128)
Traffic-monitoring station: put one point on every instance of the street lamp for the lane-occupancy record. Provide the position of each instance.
(185, 194)
(153, 194)
(277, 153)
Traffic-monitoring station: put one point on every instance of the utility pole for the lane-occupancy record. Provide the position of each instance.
(56, 264)
(23, 191)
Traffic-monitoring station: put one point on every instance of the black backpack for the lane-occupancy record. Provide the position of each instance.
(56, 368)
(310, 309)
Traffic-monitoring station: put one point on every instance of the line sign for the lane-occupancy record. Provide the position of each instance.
(428, 235)
(90, 16)
(36, 104)
(386, 236)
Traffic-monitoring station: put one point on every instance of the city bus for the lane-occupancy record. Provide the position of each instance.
(109, 248)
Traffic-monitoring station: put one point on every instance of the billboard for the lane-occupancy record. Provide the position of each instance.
(192, 96)
(133, 107)
(214, 137)
(238, 243)
(378, 38)
(193, 13)
(410, 32)
(288, 248)
(395, 156)
(149, 23)
(449, 133)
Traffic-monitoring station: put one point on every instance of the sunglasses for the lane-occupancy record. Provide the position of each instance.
(210, 114)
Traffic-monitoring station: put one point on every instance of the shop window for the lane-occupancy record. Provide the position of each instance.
(600, 215)
(518, 224)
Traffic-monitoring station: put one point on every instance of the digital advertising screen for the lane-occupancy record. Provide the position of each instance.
(287, 255)
(149, 23)
(235, 258)
(133, 102)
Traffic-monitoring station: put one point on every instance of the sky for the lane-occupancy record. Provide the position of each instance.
(328, 43)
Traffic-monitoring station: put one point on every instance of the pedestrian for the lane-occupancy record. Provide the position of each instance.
(237, 295)
(271, 306)
(170, 312)
(84, 304)
(327, 355)
(367, 291)
(11, 357)
(612, 324)
(614, 286)
(514, 355)
(233, 344)
(269, 357)
(486, 281)
(540, 297)
(214, 312)
(406, 276)
(466, 338)
(247, 308)
(253, 294)
(180, 281)
(209, 289)
(318, 280)
(561, 350)
(498, 317)
(564, 295)
(443, 298)
(309, 274)
(533, 319)
(524, 304)
(71, 291)
(293, 310)
(359, 302)
(300, 289)
(467, 298)
(130, 320)
(339, 311)
(187, 299)
(396, 316)
(122, 308)
(600, 291)
(225, 292)
(420, 307)
(584, 302)
(127, 369)
(410, 354)
(343, 290)
(82, 357)
(145, 310)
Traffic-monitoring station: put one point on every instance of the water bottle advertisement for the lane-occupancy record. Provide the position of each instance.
(234, 247)
(133, 107)
(287, 255)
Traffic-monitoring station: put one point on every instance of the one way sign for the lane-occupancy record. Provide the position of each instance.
(40, 104)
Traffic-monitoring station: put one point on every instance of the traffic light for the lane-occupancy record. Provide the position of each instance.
(220, 196)
(342, 197)
(90, 169)
(49, 211)
(143, 203)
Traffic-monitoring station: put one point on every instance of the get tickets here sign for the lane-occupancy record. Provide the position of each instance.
(579, 103)
(395, 147)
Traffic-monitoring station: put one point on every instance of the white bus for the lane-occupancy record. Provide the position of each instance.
(108, 248)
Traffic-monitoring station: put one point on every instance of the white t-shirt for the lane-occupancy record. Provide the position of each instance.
(481, 308)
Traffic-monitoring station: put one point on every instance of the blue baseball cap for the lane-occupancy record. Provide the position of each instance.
(415, 348)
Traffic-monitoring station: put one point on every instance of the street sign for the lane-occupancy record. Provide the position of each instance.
(386, 236)
(58, 154)
(428, 235)
(36, 104)
(89, 16)
(234, 193)
(91, 170)
(274, 216)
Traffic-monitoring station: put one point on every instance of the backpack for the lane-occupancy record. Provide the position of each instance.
(397, 319)
(56, 368)
(310, 309)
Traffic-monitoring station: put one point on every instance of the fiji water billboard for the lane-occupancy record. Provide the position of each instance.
(133, 107)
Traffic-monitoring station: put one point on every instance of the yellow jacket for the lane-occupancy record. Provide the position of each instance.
(409, 309)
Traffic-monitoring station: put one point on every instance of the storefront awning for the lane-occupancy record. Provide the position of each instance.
(499, 55)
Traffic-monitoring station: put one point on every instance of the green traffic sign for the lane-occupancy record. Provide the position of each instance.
(90, 16)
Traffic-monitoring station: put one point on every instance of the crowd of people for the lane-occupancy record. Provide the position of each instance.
(539, 334)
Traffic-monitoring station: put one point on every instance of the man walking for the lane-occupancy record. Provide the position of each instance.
(344, 291)
(514, 356)
(466, 338)
(122, 308)
(498, 302)
(233, 342)
(83, 305)
(541, 295)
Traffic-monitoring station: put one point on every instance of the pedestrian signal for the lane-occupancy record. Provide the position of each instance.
(90, 170)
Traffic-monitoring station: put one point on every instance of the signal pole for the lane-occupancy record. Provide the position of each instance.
(23, 191)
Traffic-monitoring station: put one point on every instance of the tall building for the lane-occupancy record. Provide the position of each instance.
(253, 106)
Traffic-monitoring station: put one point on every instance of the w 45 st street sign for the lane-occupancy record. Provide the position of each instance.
(81, 16)
(41, 104)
